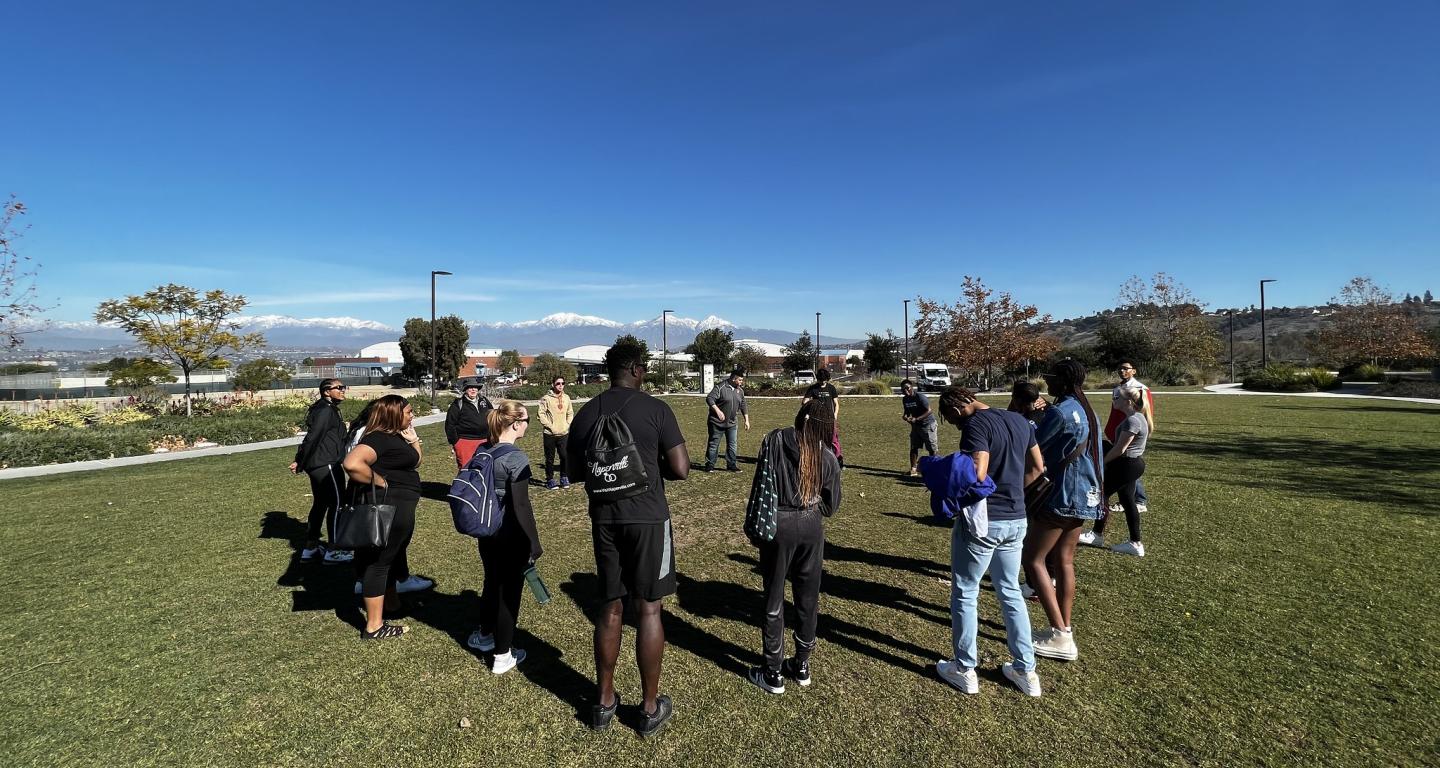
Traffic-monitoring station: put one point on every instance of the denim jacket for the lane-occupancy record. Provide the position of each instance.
(1061, 428)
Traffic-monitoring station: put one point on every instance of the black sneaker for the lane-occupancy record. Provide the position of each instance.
(650, 722)
(799, 671)
(732, 469)
(600, 717)
(765, 680)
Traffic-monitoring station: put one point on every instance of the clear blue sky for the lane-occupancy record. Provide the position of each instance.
(758, 161)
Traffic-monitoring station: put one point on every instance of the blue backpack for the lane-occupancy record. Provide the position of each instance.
(474, 503)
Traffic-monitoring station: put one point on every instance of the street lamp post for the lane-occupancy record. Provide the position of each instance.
(665, 343)
(1264, 357)
(433, 273)
(906, 360)
(817, 342)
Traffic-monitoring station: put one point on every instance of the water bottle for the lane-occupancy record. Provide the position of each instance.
(537, 587)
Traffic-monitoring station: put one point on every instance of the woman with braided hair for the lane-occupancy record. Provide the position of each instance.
(1069, 438)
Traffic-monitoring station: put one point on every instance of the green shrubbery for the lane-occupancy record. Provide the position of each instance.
(1287, 378)
(870, 387)
(537, 391)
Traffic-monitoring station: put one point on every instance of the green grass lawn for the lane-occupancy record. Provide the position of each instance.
(1286, 614)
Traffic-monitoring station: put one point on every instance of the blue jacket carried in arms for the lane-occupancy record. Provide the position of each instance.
(953, 484)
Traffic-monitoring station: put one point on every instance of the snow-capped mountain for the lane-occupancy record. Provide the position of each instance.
(309, 333)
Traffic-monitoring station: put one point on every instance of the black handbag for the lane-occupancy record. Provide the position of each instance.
(360, 526)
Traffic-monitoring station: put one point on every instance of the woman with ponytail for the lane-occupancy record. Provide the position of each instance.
(807, 487)
(512, 549)
(1069, 438)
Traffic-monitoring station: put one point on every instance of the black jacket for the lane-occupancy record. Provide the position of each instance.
(466, 420)
(324, 442)
(787, 477)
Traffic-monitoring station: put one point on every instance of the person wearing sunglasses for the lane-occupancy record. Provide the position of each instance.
(556, 413)
(319, 456)
(465, 422)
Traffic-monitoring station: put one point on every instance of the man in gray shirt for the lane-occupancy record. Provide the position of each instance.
(724, 402)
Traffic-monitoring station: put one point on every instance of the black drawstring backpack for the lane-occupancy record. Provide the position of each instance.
(613, 469)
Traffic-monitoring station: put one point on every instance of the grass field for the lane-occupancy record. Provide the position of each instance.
(1286, 614)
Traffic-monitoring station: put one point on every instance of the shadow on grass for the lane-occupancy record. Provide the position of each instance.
(860, 591)
(926, 520)
(922, 566)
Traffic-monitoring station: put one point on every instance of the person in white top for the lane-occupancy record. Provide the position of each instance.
(1123, 407)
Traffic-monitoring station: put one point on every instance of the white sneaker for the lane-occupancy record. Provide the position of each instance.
(1129, 548)
(1142, 508)
(1056, 644)
(481, 641)
(1027, 682)
(338, 556)
(963, 679)
(505, 662)
(1117, 508)
(1092, 539)
(414, 584)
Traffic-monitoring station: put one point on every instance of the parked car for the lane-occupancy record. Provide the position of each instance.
(804, 378)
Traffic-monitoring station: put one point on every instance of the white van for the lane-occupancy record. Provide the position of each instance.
(934, 376)
(804, 378)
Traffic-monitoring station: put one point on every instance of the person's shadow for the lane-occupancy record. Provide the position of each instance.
(322, 587)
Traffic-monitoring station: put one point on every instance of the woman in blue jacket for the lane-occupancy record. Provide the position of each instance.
(1068, 433)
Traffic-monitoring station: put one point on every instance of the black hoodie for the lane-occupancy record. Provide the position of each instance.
(324, 442)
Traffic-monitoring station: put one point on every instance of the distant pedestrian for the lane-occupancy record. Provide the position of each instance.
(388, 457)
(725, 403)
(807, 487)
(634, 546)
(1124, 465)
(826, 392)
(1068, 434)
(511, 550)
(1003, 447)
(556, 412)
(465, 425)
(1122, 408)
(319, 457)
(923, 428)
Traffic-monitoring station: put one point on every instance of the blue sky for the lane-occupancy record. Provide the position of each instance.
(757, 161)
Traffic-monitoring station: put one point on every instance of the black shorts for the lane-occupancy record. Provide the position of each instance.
(634, 559)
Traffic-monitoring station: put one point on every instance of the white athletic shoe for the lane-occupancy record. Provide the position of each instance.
(1142, 508)
(1129, 548)
(338, 556)
(963, 679)
(1027, 682)
(1117, 507)
(1092, 539)
(480, 641)
(414, 584)
(1056, 644)
(504, 662)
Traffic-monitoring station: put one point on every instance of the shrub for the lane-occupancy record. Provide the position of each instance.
(1368, 372)
(1320, 378)
(871, 387)
(1279, 378)
(1428, 389)
(1166, 374)
(128, 414)
(536, 391)
(25, 449)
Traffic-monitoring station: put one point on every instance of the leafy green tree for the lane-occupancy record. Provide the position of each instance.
(549, 367)
(20, 369)
(714, 346)
(630, 340)
(451, 338)
(882, 353)
(1122, 338)
(113, 364)
(749, 358)
(854, 361)
(1173, 321)
(256, 375)
(509, 361)
(182, 326)
(140, 374)
(799, 355)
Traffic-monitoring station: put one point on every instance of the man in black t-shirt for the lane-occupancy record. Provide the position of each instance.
(822, 389)
(634, 548)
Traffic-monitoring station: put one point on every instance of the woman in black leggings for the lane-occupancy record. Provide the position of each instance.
(807, 487)
(1124, 464)
(388, 457)
(512, 549)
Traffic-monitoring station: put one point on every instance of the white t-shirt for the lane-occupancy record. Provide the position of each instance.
(1120, 403)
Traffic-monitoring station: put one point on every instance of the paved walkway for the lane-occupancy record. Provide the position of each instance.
(1237, 389)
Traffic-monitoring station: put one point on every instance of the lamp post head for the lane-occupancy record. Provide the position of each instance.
(434, 272)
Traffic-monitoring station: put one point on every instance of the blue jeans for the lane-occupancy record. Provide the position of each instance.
(998, 551)
(732, 434)
(1140, 497)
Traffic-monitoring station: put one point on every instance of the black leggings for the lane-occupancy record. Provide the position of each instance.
(1120, 477)
(506, 556)
(796, 554)
(326, 485)
(556, 444)
(374, 567)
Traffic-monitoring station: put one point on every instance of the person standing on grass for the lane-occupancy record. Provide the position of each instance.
(1122, 408)
(1124, 464)
(319, 456)
(634, 548)
(1068, 435)
(556, 413)
(388, 457)
(465, 426)
(405, 581)
(514, 547)
(823, 390)
(725, 402)
(1002, 445)
(807, 487)
(923, 429)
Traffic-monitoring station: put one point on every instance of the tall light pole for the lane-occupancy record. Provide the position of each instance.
(817, 342)
(1264, 358)
(433, 273)
(906, 361)
(665, 343)
(1231, 314)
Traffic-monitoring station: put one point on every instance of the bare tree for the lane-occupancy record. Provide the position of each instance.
(17, 277)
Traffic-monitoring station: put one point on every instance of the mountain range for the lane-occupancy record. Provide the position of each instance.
(347, 335)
